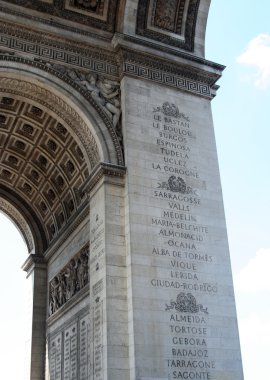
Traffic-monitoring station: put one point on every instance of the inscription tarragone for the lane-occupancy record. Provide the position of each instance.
(69, 281)
(181, 241)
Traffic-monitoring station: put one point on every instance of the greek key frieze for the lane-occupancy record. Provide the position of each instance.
(57, 52)
(169, 79)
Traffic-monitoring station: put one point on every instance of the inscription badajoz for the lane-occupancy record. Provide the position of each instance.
(181, 243)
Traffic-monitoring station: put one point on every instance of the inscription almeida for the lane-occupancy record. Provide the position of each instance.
(181, 238)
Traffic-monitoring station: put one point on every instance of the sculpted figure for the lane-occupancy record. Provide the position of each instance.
(83, 270)
(104, 91)
(62, 289)
(54, 300)
(110, 91)
(71, 278)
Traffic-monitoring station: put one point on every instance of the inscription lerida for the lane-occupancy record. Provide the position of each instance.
(181, 242)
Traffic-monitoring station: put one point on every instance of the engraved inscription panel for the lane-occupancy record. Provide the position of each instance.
(55, 361)
(181, 240)
(182, 292)
(69, 351)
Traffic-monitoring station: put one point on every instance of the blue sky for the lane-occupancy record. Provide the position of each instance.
(238, 36)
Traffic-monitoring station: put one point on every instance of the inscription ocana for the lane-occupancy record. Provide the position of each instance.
(181, 240)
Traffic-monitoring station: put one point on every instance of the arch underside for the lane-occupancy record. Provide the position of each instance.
(20, 222)
(49, 148)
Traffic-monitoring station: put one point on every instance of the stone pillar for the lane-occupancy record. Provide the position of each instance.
(36, 269)
(182, 317)
(108, 280)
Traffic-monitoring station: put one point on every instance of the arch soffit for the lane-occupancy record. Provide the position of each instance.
(19, 221)
(61, 95)
(61, 101)
(25, 219)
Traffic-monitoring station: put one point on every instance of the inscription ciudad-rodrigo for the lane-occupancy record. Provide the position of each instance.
(181, 240)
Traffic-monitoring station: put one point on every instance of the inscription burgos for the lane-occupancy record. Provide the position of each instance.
(181, 240)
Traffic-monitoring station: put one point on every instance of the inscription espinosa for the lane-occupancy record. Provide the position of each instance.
(181, 236)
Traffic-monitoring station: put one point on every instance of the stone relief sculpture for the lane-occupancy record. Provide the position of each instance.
(104, 91)
(73, 278)
(186, 303)
(165, 17)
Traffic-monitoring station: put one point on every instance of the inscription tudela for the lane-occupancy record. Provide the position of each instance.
(181, 236)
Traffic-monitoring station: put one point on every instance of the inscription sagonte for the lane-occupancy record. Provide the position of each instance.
(71, 279)
(181, 242)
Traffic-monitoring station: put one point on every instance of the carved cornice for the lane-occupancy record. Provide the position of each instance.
(124, 40)
(62, 10)
(79, 217)
(33, 262)
(198, 80)
(52, 49)
(101, 170)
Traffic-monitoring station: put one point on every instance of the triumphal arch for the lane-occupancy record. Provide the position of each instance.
(108, 167)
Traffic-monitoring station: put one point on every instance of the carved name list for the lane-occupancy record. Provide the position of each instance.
(181, 243)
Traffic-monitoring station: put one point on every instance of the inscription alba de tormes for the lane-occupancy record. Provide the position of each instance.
(181, 238)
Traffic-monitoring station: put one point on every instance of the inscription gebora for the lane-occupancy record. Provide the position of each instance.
(181, 238)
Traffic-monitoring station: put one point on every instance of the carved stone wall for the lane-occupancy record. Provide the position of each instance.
(50, 177)
(71, 280)
(99, 14)
(172, 23)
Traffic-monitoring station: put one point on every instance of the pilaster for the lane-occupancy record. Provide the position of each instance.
(108, 276)
(36, 269)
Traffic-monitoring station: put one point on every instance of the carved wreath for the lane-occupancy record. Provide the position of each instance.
(186, 303)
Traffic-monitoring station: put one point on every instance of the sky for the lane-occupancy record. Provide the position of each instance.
(238, 36)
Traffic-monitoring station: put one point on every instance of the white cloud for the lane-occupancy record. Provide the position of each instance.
(255, 276)
(257, 55)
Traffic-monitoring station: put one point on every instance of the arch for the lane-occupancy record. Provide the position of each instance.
(19, 221)
(59, 93)
(53, 133)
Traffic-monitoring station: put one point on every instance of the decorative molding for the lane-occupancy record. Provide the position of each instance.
(19, 221)
(191, 79)
(75, 220)
(82, 313)
(50, 100)
(51, 49)
(65, 10)
(154, 23)
(124, 40)
(101, 170)
(130, 62)
(34, 261)
(104, 91)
